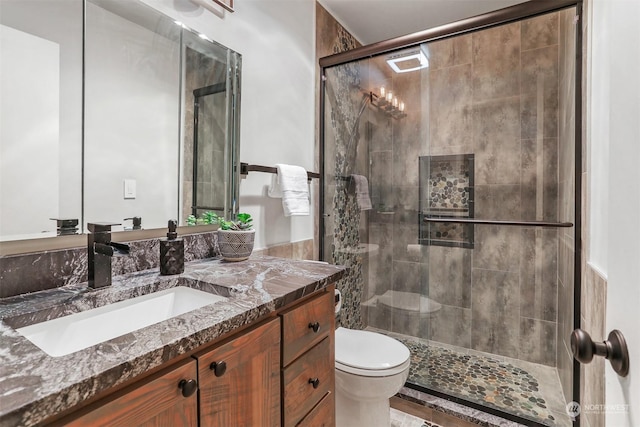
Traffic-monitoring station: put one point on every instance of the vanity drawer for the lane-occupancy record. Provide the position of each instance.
(306, 381)
(323, 415)
(306, 325)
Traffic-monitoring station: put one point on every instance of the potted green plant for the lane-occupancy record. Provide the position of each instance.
(236, 237)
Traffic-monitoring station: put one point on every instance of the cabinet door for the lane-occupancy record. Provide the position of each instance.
(157, 402)
(240, 380)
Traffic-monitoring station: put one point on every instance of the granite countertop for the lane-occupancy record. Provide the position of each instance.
(35, 386)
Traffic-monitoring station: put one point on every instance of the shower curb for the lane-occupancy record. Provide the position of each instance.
(457, 410)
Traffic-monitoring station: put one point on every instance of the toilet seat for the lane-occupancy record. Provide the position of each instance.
(369, 354)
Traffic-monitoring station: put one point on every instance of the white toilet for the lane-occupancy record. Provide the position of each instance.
(370, 368)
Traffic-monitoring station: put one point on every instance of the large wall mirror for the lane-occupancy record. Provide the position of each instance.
(161, 118)
(40, 115)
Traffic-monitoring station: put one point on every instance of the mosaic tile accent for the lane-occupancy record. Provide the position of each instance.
(447, 190)
(487, 381)
(449, 183)
(343, 208)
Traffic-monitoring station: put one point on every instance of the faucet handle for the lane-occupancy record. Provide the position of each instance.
(100, 227)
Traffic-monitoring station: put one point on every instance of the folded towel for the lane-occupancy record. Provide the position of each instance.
(361, 188)
(292, 181)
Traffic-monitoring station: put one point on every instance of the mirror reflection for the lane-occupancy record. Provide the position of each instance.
(40, 116)
(161, 120)
(158, 111)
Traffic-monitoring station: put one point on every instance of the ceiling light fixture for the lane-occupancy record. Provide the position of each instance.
(405, 62)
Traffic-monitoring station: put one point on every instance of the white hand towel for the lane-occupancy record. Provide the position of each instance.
(295, 189)
(275, 191)
(361, 187)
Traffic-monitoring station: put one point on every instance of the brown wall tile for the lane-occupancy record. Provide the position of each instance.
(540, 31)
(496, 312)
(496, 62)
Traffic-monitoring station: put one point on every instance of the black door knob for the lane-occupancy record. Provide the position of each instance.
(315, 326)
(218, 368)
(188, 387)
(315, 382)
(614, 349)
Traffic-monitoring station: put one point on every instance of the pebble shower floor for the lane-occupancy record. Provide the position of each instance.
(485, 380)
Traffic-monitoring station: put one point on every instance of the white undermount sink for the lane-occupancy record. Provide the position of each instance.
(65, 335)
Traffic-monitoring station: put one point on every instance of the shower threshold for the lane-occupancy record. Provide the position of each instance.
(500, 385)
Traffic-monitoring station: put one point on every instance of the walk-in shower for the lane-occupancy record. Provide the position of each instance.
(468, 136)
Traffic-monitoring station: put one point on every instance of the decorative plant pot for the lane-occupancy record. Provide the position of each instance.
(236, 245)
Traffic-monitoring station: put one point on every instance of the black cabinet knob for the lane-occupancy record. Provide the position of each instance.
(218, 368)
(614, 349)
(315, 326)
(315, 382)
(188, 387)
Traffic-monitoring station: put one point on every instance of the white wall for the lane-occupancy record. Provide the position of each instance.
(614, 135)
(598, 134)
(277, 41)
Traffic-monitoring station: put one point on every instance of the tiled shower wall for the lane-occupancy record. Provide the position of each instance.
(494, 93)
(343, 221)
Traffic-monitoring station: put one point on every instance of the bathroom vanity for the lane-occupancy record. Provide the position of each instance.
(262, 356)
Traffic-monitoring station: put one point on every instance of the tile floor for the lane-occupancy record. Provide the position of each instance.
(402, 419)
(525, 389)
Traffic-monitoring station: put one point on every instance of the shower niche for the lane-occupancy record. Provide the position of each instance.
(446, 191)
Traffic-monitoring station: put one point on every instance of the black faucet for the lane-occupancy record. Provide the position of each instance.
(100, 250)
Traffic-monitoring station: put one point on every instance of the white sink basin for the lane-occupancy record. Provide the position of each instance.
(64, 335)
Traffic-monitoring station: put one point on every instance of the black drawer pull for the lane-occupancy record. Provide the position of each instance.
(315, 326)
(218, 368)
(188, 387)
(315, 382)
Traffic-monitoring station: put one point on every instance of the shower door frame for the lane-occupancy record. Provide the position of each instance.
(507, 15)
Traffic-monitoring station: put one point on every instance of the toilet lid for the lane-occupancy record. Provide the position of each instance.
(369, 350)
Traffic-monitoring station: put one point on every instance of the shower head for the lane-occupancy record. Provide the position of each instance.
(366, 99)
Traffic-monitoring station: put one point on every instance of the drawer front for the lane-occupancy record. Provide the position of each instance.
(306, 325)
(300, 394)
(323, 415)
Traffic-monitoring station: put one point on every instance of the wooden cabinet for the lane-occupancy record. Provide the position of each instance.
(308, 374)
(280, 372)
(157, 401)
(240, 380)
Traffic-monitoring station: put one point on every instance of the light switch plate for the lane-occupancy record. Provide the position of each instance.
(129, 188)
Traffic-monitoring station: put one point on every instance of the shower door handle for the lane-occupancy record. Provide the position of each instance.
(614, 349)
(497, 222)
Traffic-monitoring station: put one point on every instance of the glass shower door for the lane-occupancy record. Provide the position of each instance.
(466, 253)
